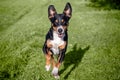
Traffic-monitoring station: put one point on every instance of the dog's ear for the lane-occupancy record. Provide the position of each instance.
(68, 10)
(51, 11)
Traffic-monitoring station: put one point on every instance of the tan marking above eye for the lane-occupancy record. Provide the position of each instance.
(62, 20)
(56, 20)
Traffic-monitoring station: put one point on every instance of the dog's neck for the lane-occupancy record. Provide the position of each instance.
(56, 42)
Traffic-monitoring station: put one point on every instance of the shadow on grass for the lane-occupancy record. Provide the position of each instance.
(106, 4)
(73, 57)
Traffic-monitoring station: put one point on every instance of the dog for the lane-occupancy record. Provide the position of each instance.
(56, 40)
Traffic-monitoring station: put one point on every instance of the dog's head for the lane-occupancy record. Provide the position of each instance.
(60, 21)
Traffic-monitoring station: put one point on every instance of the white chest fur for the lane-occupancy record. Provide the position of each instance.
(56, 42)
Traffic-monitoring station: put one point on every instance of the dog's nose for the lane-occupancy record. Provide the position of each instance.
(60, 30)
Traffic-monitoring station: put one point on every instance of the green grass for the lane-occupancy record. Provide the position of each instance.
(94, 41)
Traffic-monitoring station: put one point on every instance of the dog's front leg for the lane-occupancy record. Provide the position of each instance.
(61, 47)
(57, 65)
(55, 70)
(49, 43)
(48, 60)
(48, 55)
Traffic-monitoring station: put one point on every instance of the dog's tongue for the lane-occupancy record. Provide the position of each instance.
(60, 35)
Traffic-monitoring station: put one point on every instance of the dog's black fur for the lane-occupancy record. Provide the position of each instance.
(59, 25)
(50, 36)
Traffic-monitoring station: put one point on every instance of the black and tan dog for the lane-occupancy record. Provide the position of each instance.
(57, 38)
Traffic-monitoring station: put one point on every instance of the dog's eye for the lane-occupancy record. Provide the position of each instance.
(65, 24)
(55, 24)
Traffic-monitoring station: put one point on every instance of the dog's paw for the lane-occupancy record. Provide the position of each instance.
(57, 77)
(55, 73)
(47, 67)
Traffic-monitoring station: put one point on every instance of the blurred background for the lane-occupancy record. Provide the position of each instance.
(93, 51)
(106, 4)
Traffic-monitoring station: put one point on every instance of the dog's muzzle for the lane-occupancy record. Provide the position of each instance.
(60, 31)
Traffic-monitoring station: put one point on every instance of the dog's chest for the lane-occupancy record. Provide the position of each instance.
(56, 42)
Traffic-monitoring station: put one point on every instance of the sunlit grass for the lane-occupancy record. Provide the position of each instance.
(93, 49)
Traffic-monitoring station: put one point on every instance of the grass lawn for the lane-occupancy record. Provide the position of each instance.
(94, 41)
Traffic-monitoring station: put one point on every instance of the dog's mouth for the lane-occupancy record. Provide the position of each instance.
(60, 35)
